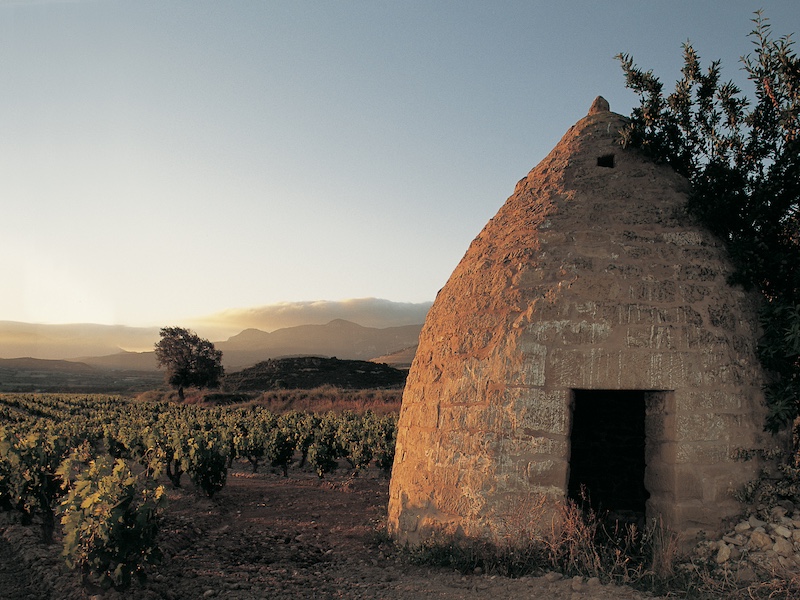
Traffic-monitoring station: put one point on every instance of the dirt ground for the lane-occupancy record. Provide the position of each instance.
(265, 536)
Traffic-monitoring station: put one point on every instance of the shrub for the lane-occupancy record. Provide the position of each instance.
(280, 444)
(31, 483)
(741, 158)
(385, 437)
(324, 449)
(354, 437)
(110, 519)
(207, 462)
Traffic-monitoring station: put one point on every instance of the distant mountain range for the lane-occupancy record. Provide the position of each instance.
(100, 346)
(339, 338)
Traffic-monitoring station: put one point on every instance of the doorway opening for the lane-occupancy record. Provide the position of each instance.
(607, 462)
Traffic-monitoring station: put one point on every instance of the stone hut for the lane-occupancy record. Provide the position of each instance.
(587, 340)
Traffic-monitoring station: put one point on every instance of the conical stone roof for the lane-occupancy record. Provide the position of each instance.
(590, 276)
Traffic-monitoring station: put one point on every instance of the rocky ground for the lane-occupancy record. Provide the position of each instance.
(264, 536)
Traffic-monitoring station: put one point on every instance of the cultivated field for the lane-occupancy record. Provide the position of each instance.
(247, 501)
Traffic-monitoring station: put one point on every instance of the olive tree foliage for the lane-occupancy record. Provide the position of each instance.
(190, 361)
(742, 157)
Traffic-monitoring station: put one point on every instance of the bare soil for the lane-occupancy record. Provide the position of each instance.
(266, 536)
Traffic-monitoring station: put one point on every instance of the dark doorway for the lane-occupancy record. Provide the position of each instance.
(608, 450)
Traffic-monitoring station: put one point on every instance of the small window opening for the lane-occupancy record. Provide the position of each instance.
(607, 161)
(607, 462)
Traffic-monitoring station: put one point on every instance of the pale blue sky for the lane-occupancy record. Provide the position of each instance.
(161, 160)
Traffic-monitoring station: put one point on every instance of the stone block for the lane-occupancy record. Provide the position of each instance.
(659, 478)
(703, 427)
(601, 368)
(697, 272)
(693, 292)
(534, 360)
(693, 513)
(653, 337)
(688, 485)
(653, 292)
(658, 427)
(725, 400)
(684, 238)
(546, 411)
(700, 453)
(722, 317)
(548, 474)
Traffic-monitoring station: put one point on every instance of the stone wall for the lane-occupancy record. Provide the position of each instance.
(589, 277)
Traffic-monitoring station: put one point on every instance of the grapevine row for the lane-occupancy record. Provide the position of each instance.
(98, 463)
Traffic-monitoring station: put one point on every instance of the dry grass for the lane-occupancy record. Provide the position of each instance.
(537, 536)
(711, 582)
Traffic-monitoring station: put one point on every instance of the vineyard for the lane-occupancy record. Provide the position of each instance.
(109, 498)
(91, 472)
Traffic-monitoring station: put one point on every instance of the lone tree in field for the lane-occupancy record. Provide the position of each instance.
(743, 161)
(190, 360)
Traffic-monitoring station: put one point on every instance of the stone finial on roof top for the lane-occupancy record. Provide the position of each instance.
(599, 105)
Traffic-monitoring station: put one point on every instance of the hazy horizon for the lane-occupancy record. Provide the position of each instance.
(20, 339)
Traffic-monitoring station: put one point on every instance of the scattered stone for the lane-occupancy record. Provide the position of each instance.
(783, 547)
(736, 541)
(742, 527)
(577, 584)
(593, 582)
(782, 531)
(777, 513)
(724, 553)
(760, 541)
(756, 522)
(552, 576)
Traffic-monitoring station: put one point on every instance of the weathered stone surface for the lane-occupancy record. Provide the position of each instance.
(759, 540)
(590, 277)
(783, 547)
(742, 527)
(599, 105)
(755, 522)
(782, 531)
(723, 554)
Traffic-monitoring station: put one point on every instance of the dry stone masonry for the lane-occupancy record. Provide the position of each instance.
(588, 342)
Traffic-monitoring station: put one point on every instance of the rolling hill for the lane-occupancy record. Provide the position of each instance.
(339, 338)
(308, 372)
(123, 372)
